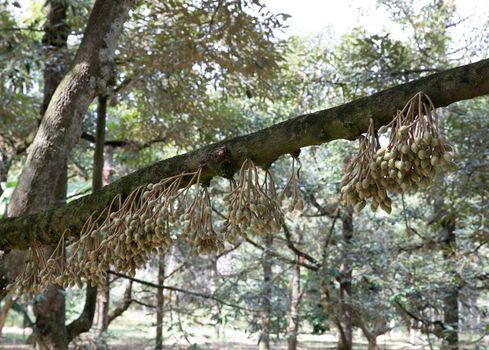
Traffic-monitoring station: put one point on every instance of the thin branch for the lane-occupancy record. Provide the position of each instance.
(281, 257)
(327, 240)
(176, 289)
(123, 143)
(298, 252)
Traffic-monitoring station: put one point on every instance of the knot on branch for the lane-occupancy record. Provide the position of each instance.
(221, 156)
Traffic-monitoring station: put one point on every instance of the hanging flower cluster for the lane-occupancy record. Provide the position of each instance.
(124, 235)
(251, 204)
(415, 152)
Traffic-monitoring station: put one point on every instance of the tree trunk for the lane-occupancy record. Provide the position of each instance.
(295, 296)
(160, 303)
(122, 307)
(50, 328)
(49, 308)
(450, 306)
(266, 308)
(54, 42)
(98, 181)
(58, 133)
(295, 300)
(60, 128)
(103, 303)
(345, 339)
(372, 344)
(213, 285)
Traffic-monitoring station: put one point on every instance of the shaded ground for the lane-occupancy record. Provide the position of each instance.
(130, 334)
(15, 339)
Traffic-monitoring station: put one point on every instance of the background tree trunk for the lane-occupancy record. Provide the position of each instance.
(266, 309)
(98, 181)
(450, 305)
(49, 310)
(345, 340)
(295, 300)
(160, 302)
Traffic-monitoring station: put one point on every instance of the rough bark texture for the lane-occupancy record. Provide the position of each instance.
(347, 121)
(60, 128)
(345, 339)
(160, 303)
(102, 308)
(295, 297)
(98, 181)
(49, 307)
(54, 42)
(450, 305)
(266, 307)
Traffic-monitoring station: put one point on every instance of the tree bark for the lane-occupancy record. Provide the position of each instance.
(60, 128)
(295, 301)
(266, 307)
(345, 339)
(450, 302)
(54, 42)
(49, 307)
(224, 158)
(103, 295)
(102, 309)
(49, 310)
(160, 303)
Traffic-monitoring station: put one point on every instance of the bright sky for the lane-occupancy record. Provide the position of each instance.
(312, 16)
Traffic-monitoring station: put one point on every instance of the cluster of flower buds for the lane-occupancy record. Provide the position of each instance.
(296, 202)
(124, 235)
(38, 271)
(198, 222)
(415, 152)
(251, 204)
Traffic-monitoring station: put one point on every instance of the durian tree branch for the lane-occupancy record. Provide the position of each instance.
(224, 158)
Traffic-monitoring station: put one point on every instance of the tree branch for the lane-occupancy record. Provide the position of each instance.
(347, 121)
(176, 289)
(297, 251)
(122, 307)
(283, 258)
(123, 143)
(83, 323)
